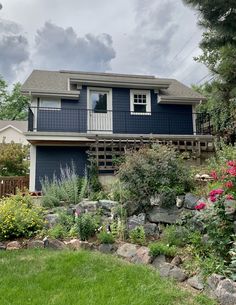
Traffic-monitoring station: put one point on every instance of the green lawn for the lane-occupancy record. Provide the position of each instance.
(46, 277)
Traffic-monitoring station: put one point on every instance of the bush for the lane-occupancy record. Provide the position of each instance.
(19, 217)
(137, 235)
(106, 238)
(151, 171)
(175, 236)
(159, 248)
(63, 228)
(86, 226)
(67, 189)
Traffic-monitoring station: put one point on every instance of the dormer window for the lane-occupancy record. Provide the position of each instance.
(140, 102)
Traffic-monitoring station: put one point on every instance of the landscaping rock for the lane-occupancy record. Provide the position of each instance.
(13, 245)
(214, 280)
(151, 229)
(127, 250)
(86, 245)
(51, 219)
(176, 261)
(54, 244)
(2, 246)
(107, 205)
(135, 221)
(35, 243)
(180, 201)
(159, 261)
(196, 282)
(226, 292)
(190, 201)
(106, 248)
(168, 215)
(168, 270)
(87, 206)
(142, 256)
(165, 269)
(132, 207)
(74, 244)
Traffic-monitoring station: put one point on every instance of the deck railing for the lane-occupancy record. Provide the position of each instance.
(122, 122)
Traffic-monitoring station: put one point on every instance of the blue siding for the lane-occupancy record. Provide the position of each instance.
(49, 160)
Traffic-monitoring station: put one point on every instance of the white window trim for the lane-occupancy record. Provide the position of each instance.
(103, 90)
(148, 99)
(49, 108)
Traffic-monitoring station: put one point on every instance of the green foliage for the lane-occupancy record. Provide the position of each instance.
(94, 185)
(152, 171)
(19, 217)
(105, 238)
(159, 248)
(118, 192)
(86, 226)
(231, 269)
(13, 159)
(175, 235)
(57, 231)
(65, 190)
(13, 105)
(137, 235)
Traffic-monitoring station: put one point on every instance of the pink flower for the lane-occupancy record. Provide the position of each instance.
(214, 175)
(200, 206)
(213, 198)
(229, 184)
(231, 163)
(232, 171)
(216, 192)
(229, 197)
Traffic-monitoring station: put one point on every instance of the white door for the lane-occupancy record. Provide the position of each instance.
(99, 110)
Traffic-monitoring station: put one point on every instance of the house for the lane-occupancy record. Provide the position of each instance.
(76, 113)
(13, 131)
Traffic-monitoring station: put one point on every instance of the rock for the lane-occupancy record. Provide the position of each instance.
(230, 207)
(107, 205)
(87, 206)
(135, 221)
(127, 250)
(2, 246)
(180, 201)
(226, 292)
(13, 245)
(156, 200)
(168, 215)
(176, 261)
(54, 244)
(190, 201)
(168, 270)
(151, 229)
(214, 280)
(196, 282)
(132, 207)
(51, 219)
(35, 243)
(106, 248)
(159, 261)
(142, 256)
(86, 245)
(74, 244)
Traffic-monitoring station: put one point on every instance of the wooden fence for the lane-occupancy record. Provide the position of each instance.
(9, 185)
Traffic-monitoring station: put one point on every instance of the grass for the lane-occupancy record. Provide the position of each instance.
(38, 277)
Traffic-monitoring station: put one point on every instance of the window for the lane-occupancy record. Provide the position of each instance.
(99, 101)
(54, 104)
(140, 102)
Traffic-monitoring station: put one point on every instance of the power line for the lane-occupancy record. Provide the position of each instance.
(204, 77)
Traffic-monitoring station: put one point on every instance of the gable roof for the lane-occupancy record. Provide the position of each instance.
(57, 82)
(20, 126)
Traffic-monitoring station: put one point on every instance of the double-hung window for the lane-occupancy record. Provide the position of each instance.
(140, 102)
(49, 104)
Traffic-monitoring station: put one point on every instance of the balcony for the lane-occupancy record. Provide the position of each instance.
(42, 119)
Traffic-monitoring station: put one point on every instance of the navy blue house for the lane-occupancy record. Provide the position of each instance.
(70, 111)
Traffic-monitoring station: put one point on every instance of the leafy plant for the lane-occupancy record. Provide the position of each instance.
(57, 231)
(159, 248)
(175, 235)
(137, 235)
(105, 238)
(94, 185)
(86, 226)
(19, 217)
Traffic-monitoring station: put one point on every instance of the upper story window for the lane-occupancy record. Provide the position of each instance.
(49, 104)
(140, 102)
(99, 101)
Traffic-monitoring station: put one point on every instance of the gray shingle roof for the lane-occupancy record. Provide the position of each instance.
(21, 125)
(57, 82)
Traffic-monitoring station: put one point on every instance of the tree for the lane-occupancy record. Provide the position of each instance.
(13, 105)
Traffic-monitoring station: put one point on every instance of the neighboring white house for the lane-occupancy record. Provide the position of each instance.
(13, 131)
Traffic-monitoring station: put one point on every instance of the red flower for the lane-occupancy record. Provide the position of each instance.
(214, 175)
(213, 198)
(229, 197)
(200, 206)
(216, 192)
(229, 184)
(231, 163)
(232, 171)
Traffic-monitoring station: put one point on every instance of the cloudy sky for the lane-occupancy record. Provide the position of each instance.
(157, 37)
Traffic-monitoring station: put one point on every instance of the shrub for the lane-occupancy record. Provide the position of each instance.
(57, 231)
(106, 238)
(175, 235)
(152, 171)
(159, 248)
(19, 217)
(67, 189)
(63, 228)
(137, 235)
(86, 226)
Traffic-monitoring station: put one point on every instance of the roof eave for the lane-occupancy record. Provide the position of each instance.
(180, 100)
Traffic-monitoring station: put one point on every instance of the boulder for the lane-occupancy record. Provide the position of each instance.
(51, 219)
(54, 244)
(165, 269)
(168, 215)
(35, 243)
(2, 246)
(74, 244)
(87, 206)
(86, 245)
(142, 256)
(106, 248)
(196, 282)
(159, 261)
(168, 270)
(151, 229)
(13, 245)
(135, 221)
(127, 250)
(107, 205)
(226, 292)
(214, 280)
(176, 261)
(190, 201)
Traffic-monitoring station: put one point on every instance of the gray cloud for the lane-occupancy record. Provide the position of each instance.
(59, 48)
(13, 49)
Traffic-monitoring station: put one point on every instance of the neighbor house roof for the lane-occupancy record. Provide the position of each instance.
(58, 82)
(21, 126)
